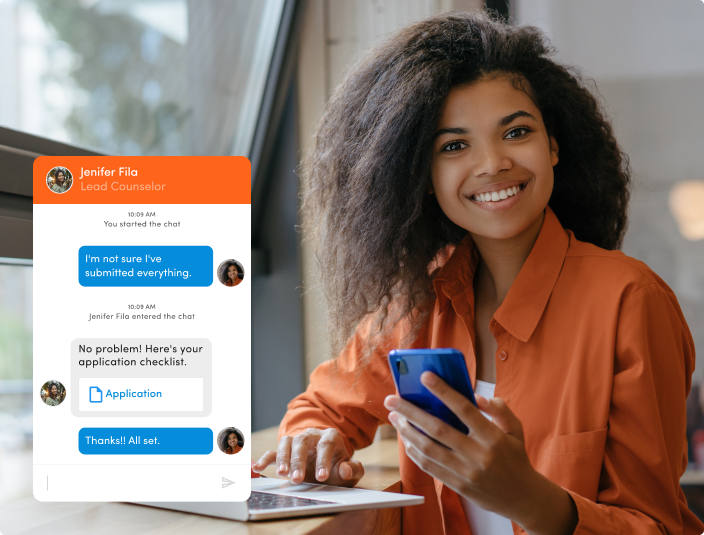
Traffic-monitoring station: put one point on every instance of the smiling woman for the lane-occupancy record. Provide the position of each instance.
(472, 148)
(59, 180)
(230, 440)
(230, 272)
(467, 191)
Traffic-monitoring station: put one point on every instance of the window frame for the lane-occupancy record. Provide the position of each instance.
(18, 151)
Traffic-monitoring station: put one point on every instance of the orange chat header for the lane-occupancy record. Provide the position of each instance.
(142, 180)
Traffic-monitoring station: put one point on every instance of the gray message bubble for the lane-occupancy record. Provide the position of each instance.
(142, 358)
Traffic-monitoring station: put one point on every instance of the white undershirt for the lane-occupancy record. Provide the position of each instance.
(483, 522)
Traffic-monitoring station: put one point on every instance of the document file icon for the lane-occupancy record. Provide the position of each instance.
(96, 395)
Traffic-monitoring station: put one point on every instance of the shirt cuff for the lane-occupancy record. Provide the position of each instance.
(592, 519)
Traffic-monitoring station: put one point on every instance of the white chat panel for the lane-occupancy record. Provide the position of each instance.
(142, 314)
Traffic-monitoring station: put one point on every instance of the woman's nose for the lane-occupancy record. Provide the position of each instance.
(490, 160)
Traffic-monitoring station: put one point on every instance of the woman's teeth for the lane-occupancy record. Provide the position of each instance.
(497, 195)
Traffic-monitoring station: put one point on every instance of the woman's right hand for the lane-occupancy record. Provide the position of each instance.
(314, 456)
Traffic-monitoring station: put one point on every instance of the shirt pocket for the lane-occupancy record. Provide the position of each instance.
(574, 461)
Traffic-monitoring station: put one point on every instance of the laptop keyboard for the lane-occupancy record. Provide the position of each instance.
(259, 501)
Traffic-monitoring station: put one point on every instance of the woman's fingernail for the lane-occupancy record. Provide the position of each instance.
(282, 468)
(391, 402)
(322, 473)
(428, 378)
(296, 474)
(393, 418)
(347, 469)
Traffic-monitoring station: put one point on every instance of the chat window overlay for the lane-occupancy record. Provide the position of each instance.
(142, 336)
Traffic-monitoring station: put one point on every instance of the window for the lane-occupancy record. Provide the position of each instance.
(137, 77)
(129, 77)
(15, 379)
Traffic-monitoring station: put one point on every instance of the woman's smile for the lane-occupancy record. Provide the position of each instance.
(499, 196)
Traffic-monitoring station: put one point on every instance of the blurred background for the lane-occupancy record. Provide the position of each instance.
(236, 77)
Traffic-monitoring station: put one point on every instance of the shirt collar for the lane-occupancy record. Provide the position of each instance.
(457, 273)
(525, 302)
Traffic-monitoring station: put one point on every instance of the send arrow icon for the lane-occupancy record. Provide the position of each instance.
(226, 482)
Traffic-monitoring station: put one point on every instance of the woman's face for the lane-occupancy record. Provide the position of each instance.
(232, 272)
(491, 143)
(54, 391)
(60, 177)
(232, 440)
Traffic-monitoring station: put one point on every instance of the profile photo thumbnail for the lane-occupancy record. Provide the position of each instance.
(230, 440)
(59, 180)
(52, 393)
(230, 272)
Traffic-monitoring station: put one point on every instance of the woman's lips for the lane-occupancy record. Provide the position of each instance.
(500, 204)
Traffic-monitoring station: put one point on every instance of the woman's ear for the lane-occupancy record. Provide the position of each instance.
(554, 150)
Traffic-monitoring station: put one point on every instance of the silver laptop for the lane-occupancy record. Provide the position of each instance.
(277, 498)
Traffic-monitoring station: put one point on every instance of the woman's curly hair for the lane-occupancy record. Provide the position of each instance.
(366, 181)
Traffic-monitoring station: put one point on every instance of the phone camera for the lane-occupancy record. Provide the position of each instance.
(402, 367)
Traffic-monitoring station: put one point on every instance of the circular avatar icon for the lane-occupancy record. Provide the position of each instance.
(59, 180)
(52, 393)
(230, 440)
(230, 272)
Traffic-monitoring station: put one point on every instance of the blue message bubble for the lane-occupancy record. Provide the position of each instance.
(145, 441)
(145, 265)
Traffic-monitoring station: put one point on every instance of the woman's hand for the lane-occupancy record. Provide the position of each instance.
(489, 466)
(315, 456)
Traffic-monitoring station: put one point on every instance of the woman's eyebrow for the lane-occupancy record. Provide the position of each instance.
(510, 118)
(443, 131)
(502, 122)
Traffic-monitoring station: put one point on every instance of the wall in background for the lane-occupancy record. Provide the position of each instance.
(647, 59)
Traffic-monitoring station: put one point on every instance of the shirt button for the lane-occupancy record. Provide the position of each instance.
(503, 355)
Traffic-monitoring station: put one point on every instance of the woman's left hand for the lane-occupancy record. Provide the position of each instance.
(489, 466)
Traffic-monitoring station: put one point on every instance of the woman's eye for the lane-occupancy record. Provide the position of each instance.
(517, 132)
(454, 146)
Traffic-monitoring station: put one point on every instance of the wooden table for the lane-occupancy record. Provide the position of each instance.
(692, 477)
(380, 461)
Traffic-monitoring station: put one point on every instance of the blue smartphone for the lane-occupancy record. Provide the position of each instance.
(408, 364)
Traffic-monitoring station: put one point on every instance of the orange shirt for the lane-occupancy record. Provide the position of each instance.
(230, 451)
(594, 357)
(229, 282)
